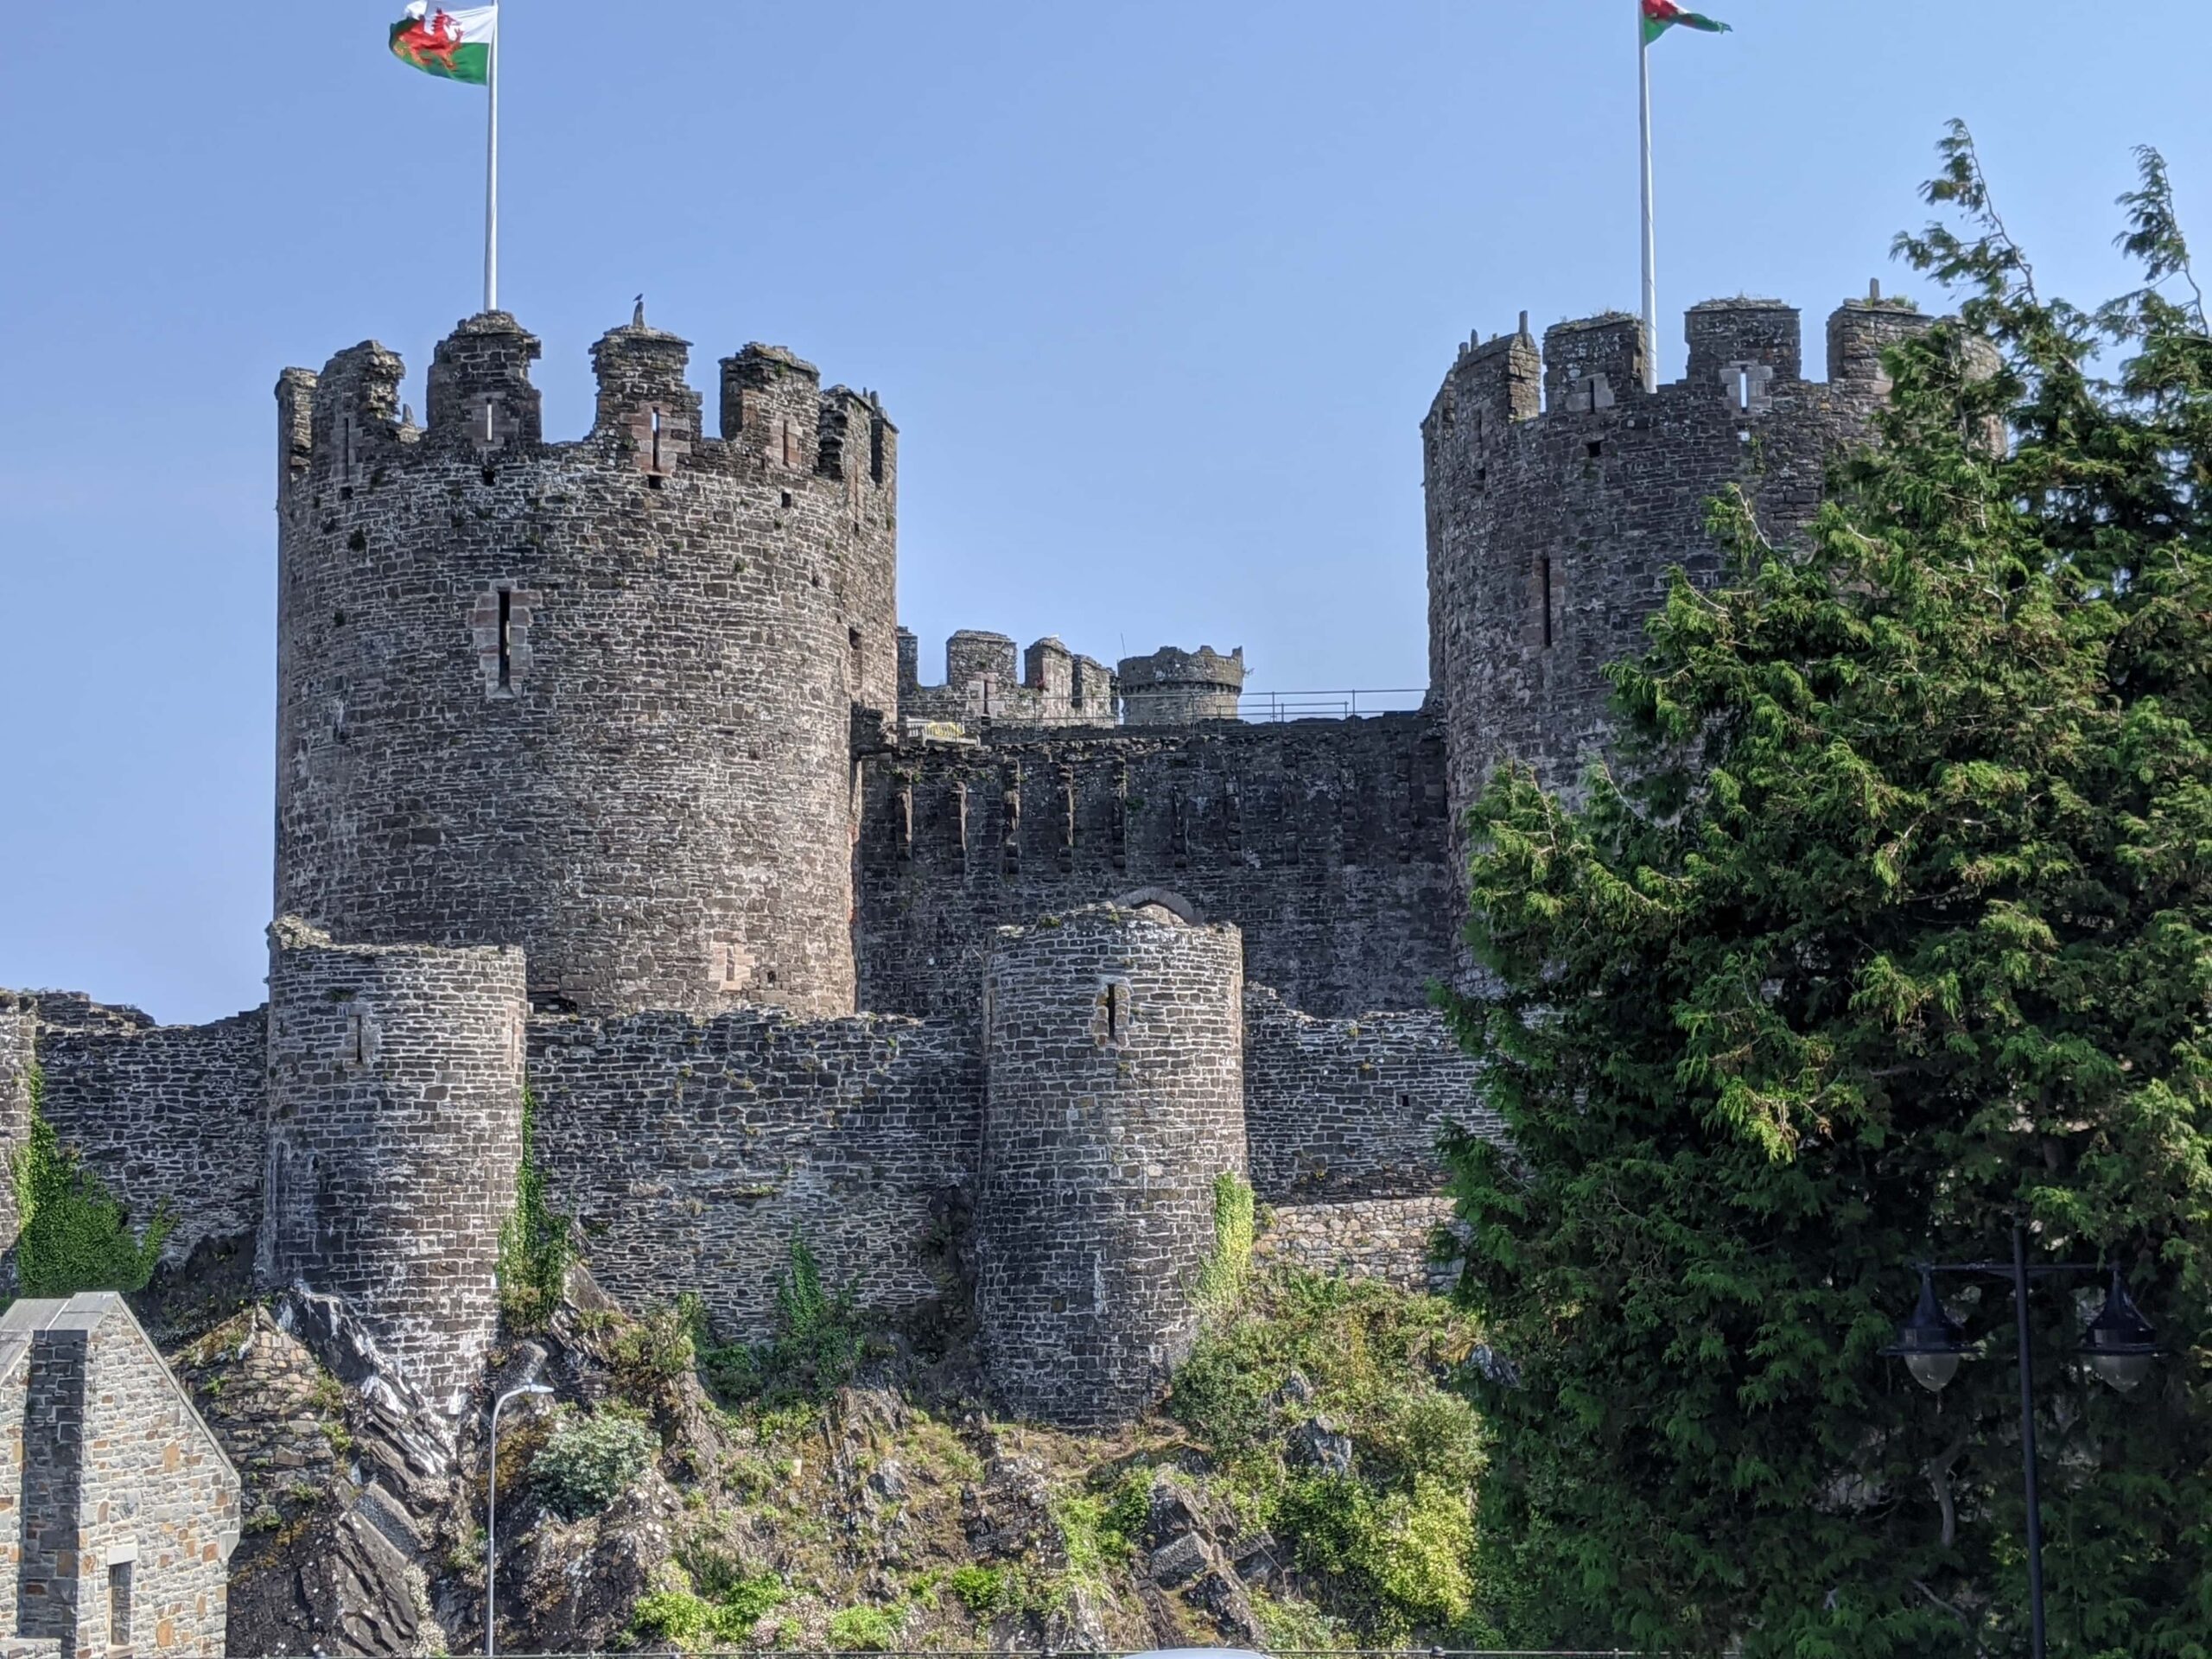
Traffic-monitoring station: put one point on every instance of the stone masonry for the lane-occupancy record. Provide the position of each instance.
(982, 688)
(120, 1509)
(1325, 841)
(1114, 1099)
(170, 1116)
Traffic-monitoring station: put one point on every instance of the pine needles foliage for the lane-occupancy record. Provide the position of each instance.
(1892, 922)
(75, 1235)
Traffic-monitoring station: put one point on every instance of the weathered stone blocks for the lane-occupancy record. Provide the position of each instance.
(394, 1139)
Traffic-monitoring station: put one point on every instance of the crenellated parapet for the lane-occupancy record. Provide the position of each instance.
(984, 687)
(1554, 519)
(596, 698)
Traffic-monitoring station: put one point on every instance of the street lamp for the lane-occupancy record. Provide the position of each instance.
(2120, 1344)
(492, 1518)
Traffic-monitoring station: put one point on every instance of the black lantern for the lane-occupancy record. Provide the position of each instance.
(1931, 1343)
(2119, 1342)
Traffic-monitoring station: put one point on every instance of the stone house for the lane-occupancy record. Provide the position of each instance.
(118, 1510)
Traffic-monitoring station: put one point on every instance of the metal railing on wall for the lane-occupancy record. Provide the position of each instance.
(1264, 706)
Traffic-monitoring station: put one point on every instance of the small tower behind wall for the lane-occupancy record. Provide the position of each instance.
(1182, 687)
(1115, 1099)
(395, 1138)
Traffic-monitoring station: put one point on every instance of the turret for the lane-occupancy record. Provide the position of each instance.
(395, 1136)
(1552, 534)
(1114, 1104)
(595, 698)
(1182, 687)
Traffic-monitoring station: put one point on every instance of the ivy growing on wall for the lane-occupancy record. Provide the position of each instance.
(76, 1236)
(1228, 1268)
(536, 1245)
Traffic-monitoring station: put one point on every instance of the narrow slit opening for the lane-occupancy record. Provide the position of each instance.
(507, 639)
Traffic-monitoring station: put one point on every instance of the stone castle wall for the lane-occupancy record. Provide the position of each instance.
(1352, 1109)
(1114, 1101)
(594, 698)
(1560, 495)
(170, 1117)
(394, 1140)
(691, 1151)
(1325, 841)
(18, 1055)
(1390, 1240)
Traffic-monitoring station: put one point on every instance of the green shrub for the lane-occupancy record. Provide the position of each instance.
(588, 1462)
(985, 1591)
(718, 1609)
(817, 1347)
(75, 1235)
(536, 1245)
(867, 1629)
(1388, 1549)
(655, 1348)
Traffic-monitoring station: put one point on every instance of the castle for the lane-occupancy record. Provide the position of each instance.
(606, 780)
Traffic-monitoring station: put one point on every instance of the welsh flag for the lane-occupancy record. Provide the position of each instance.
(455, 45)
(1660, 15)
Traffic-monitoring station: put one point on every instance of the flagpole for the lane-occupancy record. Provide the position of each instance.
(1651, 238)
(492, 174)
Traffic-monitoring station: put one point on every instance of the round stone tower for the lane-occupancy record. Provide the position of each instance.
(1114, 1045)
(594, 698)
(395, 1135)
(1561, 494)
(1181, 688)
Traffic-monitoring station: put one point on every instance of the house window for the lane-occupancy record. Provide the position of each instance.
(118, 1604)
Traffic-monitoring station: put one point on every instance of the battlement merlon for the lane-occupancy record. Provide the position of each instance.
(1740, 349)
(480, 389)
(347, 419)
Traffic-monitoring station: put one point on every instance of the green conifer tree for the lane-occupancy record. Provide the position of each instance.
(1892, 922)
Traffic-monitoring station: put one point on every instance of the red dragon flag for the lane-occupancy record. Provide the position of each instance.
(1660, 15)
(454, 45)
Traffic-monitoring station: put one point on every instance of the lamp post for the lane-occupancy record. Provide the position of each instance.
(492, 1518)
(2120, 1345)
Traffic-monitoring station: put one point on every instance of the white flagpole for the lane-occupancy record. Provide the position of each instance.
(1651, 238)
(492, 174)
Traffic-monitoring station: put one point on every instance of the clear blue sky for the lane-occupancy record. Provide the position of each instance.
(1157, 293)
